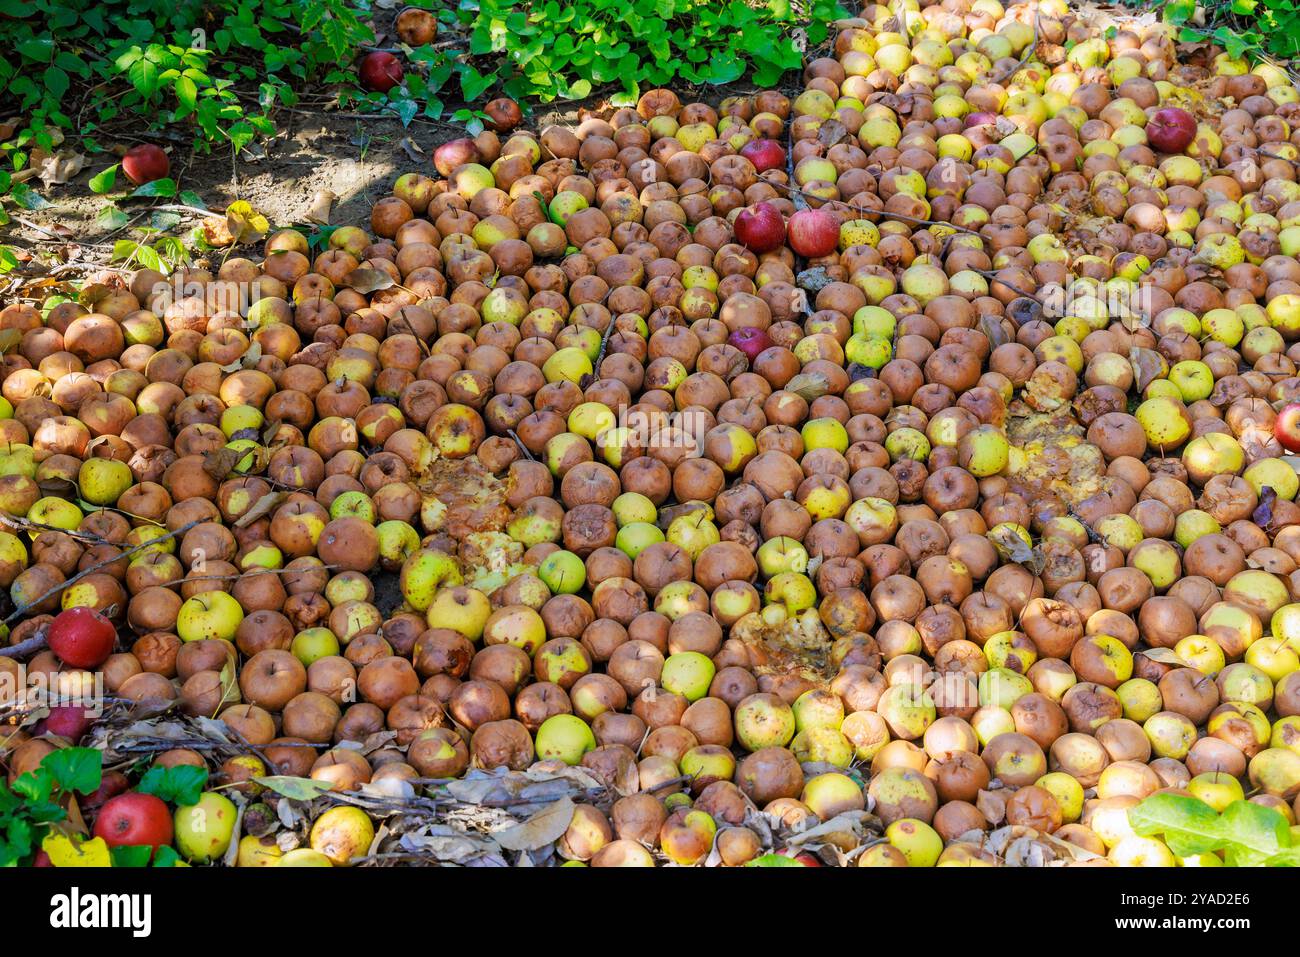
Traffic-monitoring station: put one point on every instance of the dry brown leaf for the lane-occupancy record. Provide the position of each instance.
(321, 205)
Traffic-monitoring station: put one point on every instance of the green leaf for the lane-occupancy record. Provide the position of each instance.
(294, 788)
(110, 218)
(104, 181)
(166, 856)
(1253, 833)
(40, 49)
(28, 198)
(191, 198)
(75, 769)
(178, 785)
(165, 187)
(131, 855)
(1188, 825)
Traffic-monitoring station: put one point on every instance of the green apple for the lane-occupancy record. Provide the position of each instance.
(564, 572)
(1192, 524)
(1165, 422)
(516, 625)
(58, 512)
(1067, 791)
(242, 422)
(565, 737)
(825, 433)
(338, 835)
(590, 419)
(818, 709)
(822, 746)
(1274, 656)
(1201, 653)
(424, 573)
(16, 459)
(1217, 789)
(693, 533)
(1194, 379)
(398, 541)
(312, 644)
(102, 481)
(204, 830)
(983, 451)
(764, 720)
(635, 537)
(991, 720)
(210, 614)
(689, 674)
(793, 590)
(781, 554)
(353, 504)
(1001, 688)
(831, 793)
(460, 608)
(916, 840)
(1275, 474)
(567, 365)
(633, 507)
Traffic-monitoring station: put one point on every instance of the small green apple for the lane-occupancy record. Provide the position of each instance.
(565, 737)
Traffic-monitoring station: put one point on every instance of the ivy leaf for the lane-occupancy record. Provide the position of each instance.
(75, 769)
(28, 198)
(104, 180)
(182, 784)
(132, 855)
(165, 187)
(166, 856)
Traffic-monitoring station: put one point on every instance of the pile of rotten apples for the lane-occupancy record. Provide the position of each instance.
(913, 446)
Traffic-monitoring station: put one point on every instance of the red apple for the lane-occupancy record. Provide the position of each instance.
(751, 341)
(132, 820)
(82, 637)
(380, 71)
(1171, 130)
(111, 784)
(1286, 427)
(145, 163)
(66, 720)
(42, 860)
(813, 233)
(454, 153)
(979, 119)
(760, 227)
(765, 154)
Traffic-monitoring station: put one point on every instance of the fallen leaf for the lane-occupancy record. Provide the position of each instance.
(412, 149)
(57, 168)
(65, 852)
(366, 281)
(265, 505)
(245, 223)
(321, 204)
(545, 827)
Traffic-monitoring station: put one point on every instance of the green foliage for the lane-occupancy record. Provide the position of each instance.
(31, 805)
(76, 65)
(1244, 28)
(181, 784)
(564, 50)
(1248, 834)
